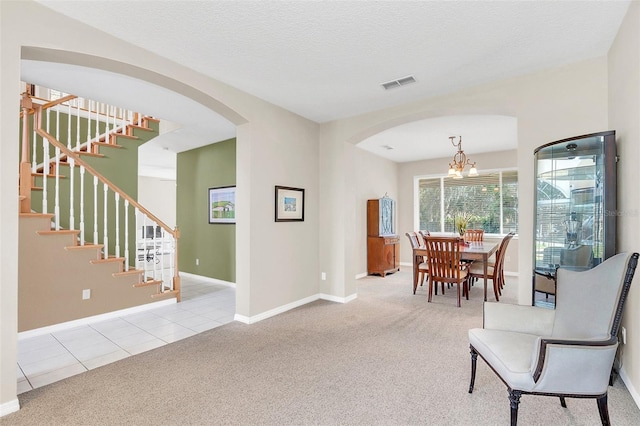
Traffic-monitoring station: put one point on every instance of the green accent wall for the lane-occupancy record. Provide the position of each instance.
(214, 245)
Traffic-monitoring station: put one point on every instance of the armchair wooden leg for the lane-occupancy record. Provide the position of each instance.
(514, 400)
(474, 361)
(603, 410)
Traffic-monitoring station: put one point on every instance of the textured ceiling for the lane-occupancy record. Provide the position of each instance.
(325, 60)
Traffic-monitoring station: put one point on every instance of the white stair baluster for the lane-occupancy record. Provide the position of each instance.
(82, 238)
(113, 117)
(72, 218)
(69, 125)
(45, 167)
(78, 128)
(89, 126)
(34, 160)
(97, 121)
(57, 122)
(126, 235)
(106, 222)
(145, 265)
(123, 120)
(95, 210)
(156, 261)
(117, 212)
(139, 248)
(89, 102)
(160, 250)
(56, 204)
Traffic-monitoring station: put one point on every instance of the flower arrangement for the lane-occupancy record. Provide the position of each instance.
(461, 221)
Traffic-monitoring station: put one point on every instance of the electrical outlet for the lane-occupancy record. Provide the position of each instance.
(197, 262)
(323, 276)
(86, 294)
(624, 336)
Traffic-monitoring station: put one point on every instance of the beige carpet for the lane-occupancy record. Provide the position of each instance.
(386, 358)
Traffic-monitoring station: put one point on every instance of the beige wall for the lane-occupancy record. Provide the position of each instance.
(376, 177)
(275, 147)
(44, 301)
(624, 117)
(279, 148)
(551, 105)
(163, 206)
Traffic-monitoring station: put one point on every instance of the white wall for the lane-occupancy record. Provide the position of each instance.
(624, 117)
(159, 196)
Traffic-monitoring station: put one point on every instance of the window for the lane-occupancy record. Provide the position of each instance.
(490, 200)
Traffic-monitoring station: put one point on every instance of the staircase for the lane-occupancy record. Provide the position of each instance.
(83, 246)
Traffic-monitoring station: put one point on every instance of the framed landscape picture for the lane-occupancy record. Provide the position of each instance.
(222, 204)
(289, 204)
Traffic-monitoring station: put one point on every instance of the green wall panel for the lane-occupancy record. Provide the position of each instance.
(214, 245)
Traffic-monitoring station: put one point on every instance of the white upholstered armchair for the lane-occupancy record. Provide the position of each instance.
(566, 352)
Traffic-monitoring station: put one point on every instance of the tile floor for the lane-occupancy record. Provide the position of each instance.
(51, 357)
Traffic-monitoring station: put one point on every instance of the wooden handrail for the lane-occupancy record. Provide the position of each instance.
(58, 101)
(70, 154)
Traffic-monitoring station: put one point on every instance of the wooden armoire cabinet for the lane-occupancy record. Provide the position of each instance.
(383, 244)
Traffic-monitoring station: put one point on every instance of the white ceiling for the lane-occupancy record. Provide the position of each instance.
(325, 60)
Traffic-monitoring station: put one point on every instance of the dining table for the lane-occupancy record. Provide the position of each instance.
(481, 250)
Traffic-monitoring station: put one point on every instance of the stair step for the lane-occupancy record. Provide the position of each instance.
(123, 135)
(49, 175)
(135, 126)
(148, 283)
(165, 294)
(37, 215)
(60, 232)
(110, 145)
(90, 154)
(129, 272)
(85, 247)
(109, 259)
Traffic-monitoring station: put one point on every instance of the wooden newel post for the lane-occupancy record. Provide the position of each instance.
(25, 168)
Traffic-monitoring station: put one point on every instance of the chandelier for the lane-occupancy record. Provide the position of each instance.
(460, 161)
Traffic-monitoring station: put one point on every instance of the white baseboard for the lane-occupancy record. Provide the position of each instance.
(409, 264)
(89, 320)
(337, 299)
(207, 279)
(275, 311)
(362, 275)
(9, 407)
(511, 274)
(284, 308)
(633, 391)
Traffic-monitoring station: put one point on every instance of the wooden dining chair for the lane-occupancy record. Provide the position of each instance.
(421, 267)
(443, 254)
(474, 235)
(495, 272)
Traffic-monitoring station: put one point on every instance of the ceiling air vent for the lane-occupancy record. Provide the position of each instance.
(399, 82)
